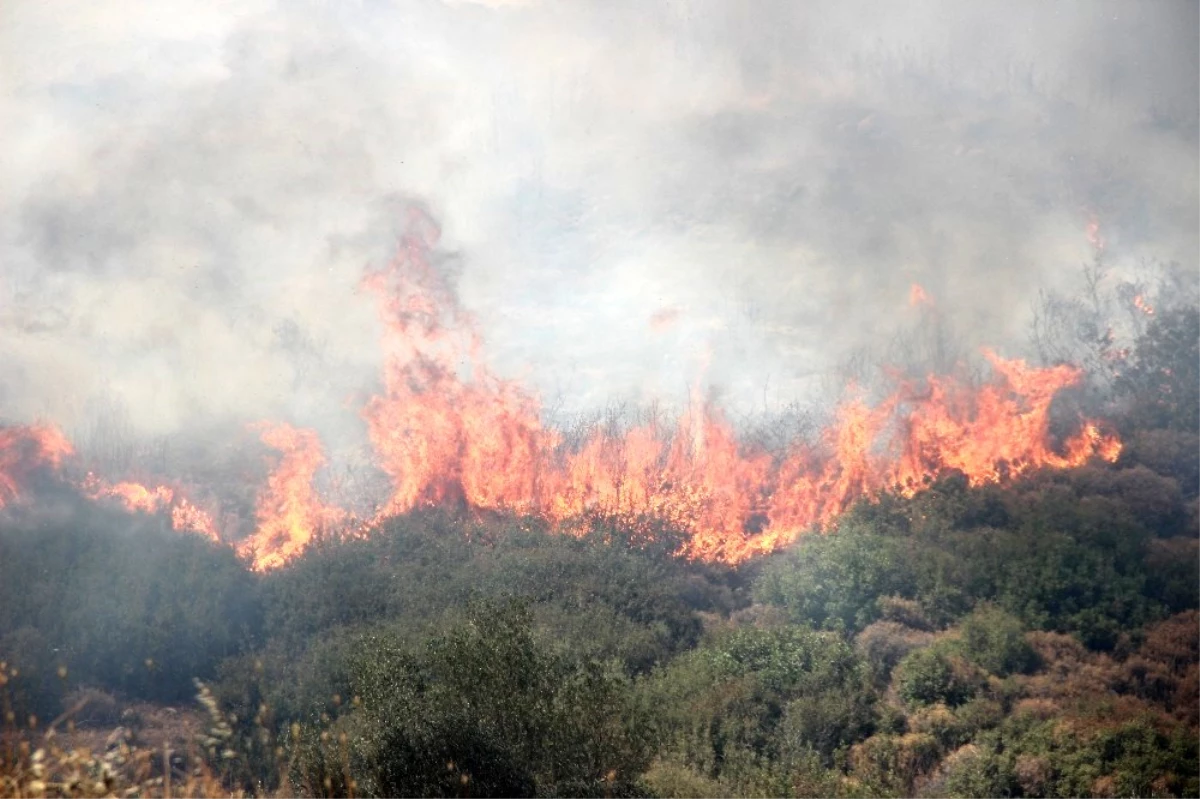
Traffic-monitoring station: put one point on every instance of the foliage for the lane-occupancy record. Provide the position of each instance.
(751, 699)
(1040, 636)
(488, 709)
(1072, 551)
(996, 641)
(1161, 383)
(119, 601)
(930, 676)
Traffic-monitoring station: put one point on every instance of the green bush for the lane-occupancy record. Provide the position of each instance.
(929, 676)
(487, 709)
(996, 641)
(754, 695)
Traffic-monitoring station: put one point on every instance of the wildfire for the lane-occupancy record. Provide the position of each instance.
(445, 429)
(289, 512)
(136, 497)
(23, 451)
(186, 516)
(1140, 303)
(917, 296)
(133, 496)
(440, 437)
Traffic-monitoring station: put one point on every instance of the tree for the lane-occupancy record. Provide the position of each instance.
(1161, 382)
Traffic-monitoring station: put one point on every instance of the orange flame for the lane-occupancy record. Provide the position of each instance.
(1140, 303)
(186, 516)
(447, 430)
(439, 437)
(26, 449)
(289, 512)
(133, 496)
(917, 296)
(136, 497)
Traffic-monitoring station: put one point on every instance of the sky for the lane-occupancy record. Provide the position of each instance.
(635, 198)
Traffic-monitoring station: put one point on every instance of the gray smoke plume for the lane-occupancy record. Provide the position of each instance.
(640, 196)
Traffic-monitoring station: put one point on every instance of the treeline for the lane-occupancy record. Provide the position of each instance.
(1034, 638)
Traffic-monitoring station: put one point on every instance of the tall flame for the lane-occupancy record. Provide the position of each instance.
(289, 512)
(440, 437)
(447, 429)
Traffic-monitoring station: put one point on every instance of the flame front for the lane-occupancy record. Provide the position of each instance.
(136, 497)
(440, 437)
(445, 429)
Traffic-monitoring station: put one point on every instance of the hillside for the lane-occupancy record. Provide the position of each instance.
(1036, 636)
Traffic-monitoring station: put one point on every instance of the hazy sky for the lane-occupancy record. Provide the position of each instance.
(191, 190)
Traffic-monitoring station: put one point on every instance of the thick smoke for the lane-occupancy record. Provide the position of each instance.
(638, 196)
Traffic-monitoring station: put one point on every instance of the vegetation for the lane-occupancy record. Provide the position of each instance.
(1038, 637)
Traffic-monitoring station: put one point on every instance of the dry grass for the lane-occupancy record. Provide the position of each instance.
(155, 751)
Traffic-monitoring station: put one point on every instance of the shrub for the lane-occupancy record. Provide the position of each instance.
(835, 581)
(487, 709)
(996, 641)
(929, 676)
(884, 644)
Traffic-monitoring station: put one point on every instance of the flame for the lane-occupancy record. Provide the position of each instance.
(133, 496)
(439, 437)
(445, 429)
(917, 296)
(288, 511)
(136, 497)
(186, 516)
(25, 450)
(1140, 303)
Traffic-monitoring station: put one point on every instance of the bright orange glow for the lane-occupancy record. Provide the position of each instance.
(186, 516)
(446, 430)
(133, 496)
(26, 449)
(136, 497)
(289, 512)
(439, 436)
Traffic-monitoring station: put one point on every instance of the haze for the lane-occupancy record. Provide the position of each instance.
(638, 197)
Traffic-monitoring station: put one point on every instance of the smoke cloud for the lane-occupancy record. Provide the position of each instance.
(634, 196)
